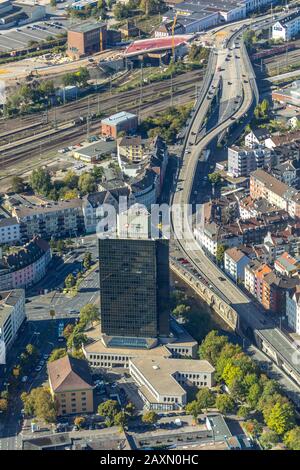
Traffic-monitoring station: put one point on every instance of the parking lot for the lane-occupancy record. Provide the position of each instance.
(18, 38)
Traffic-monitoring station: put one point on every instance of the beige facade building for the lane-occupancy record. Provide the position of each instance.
(163, 381)
(71, 385)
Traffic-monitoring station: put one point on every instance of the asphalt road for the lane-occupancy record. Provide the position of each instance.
(235, 71)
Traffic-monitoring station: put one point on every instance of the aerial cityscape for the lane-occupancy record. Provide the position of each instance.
(149, 227)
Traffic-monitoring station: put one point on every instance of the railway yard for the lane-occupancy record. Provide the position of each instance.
(23, 141)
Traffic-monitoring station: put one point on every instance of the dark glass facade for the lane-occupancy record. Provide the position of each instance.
(134, 287)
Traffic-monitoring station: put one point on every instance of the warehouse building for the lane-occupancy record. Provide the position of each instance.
(86, 39)
(120, 122)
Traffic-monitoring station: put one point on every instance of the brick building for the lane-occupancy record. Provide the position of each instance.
(86, 39)
(120, 122)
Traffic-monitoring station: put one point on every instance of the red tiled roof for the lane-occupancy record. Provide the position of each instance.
(144, 45)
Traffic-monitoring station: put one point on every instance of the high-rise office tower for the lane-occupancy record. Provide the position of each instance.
(134, 290)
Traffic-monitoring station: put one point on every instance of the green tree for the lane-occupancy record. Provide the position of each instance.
(76, 340)
(220, 253)
(268, 439)
(89, 313)
(40, 181)
(82, 76)
(3, 405)
(71, 179)
(57, 354)
(31, 350)
(150, 417)
(205, 398)
(97, 173)
(17, 184)
(254, 395)
(292, 439)
(211, 347)
(120, 419)
(281, 418)
(181, 310)
(108, 410)
(87, 260)
(229, 351)
(193, 408)
(53, 3)
(264, 108)
(40, 403)
(86, 183)
(243, 412)
(130, 409)
(214, 178)
(70, 281)
(68, 330)
(225, 404)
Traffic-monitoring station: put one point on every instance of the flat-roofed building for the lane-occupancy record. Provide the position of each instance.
(71, 385)
(86, 39)
(120, 122)
(12, 315)
(9, 230)
(293, 309)
(162, 381)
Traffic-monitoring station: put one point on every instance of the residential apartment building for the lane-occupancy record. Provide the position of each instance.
(287, 172)
(71, 385)
(94, 206)
(250, 278)
(63, 218)
(287, 265)
(264, 185)
(274, 289)
(256, 137)
(287, 28)
(25, 266)
(9, 231)
(162, 381)
(242, 161)
(235, 261)
(293, 309)
(131, 150)
(12, 315)
(212, 235)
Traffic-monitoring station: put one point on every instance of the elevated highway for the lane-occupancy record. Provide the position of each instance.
(238, 80)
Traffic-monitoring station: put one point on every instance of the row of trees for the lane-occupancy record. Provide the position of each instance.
(70, 187)
(167, 124)
(198, 53)
(74, 334)
(197, 324)
(79, 78)
(40, 403)
(72, 282)
(110, 410)
(250, 392)
(261, 111)
(30, 97)
(123, 11)
(39, 95)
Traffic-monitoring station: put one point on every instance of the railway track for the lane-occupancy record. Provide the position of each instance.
(76, 134)
(70, 110)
